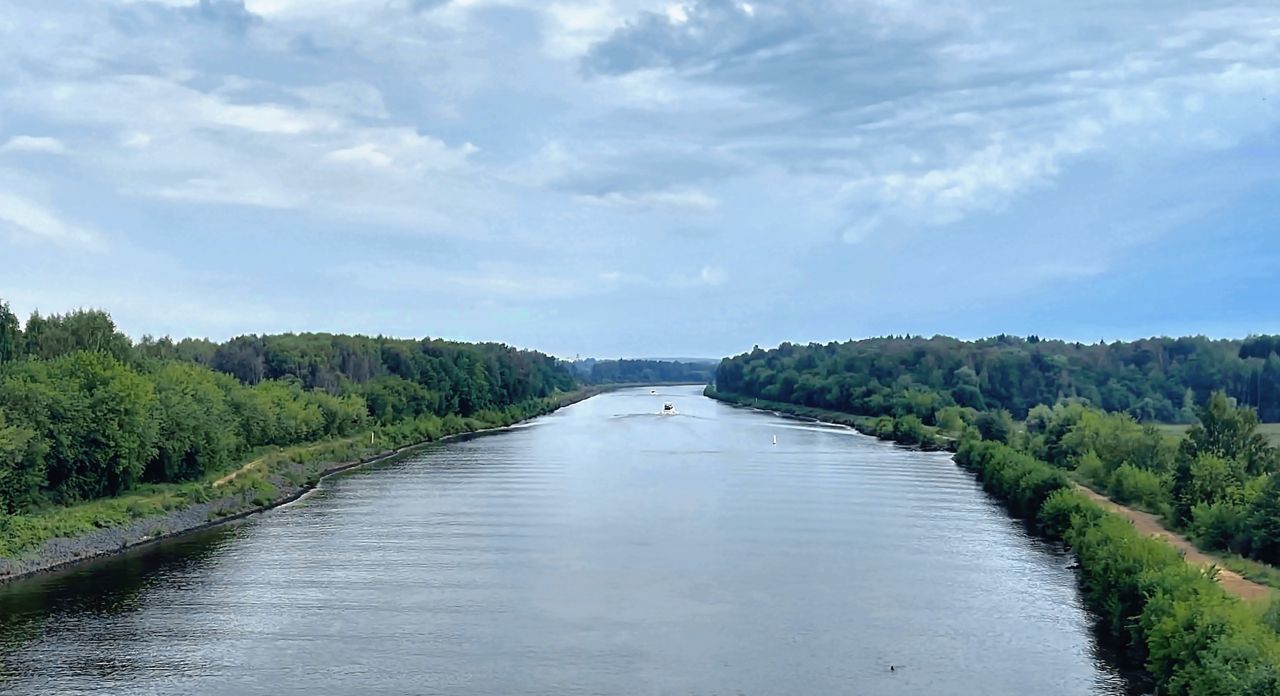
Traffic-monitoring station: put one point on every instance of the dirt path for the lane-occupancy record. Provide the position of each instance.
(1150, 525)
(232, 476)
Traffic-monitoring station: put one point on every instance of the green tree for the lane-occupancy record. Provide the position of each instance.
(909, 430)
(996, 426)
(95, 414)
(1231, 433)
(1264, 523)
(21, 466)
(197, 430)
(81, 330)
(10, 334)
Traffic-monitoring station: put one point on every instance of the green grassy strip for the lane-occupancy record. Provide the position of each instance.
(1271, 431)
(1259, 572)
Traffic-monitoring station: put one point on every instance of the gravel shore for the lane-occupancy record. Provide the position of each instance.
(60, 552)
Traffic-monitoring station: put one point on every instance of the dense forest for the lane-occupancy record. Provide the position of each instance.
(1153, 380)
(86, 413)
(625, 371)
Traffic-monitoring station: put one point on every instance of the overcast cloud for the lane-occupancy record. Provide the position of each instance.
(623, 177)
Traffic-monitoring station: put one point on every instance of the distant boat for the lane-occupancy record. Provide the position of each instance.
(668, 409)
(775, 439)
(653, 391)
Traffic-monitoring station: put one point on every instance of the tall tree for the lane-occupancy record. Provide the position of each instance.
(10, 334)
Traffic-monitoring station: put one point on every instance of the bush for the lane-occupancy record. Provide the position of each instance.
(1021, 480)
(1197, 640)
(996, 426)
(1147, 489)
(1091, 469)
(1220, 525)
(909, 430)
(1065, 508)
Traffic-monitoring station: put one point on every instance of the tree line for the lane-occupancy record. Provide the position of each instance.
(85, 412)
(1153, 380)
(1219, 483)
(624, 371)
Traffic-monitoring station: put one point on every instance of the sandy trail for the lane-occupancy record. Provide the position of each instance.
(1150, 525)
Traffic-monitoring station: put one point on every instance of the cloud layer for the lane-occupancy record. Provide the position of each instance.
(632, 177)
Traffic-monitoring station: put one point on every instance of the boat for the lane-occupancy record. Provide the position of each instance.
(668, 409)
(653, 391)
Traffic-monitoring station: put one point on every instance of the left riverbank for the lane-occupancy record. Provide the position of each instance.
(106, 527)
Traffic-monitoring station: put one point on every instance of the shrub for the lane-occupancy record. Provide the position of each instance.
(1148, 489)
(909, 430)
(1220, 525)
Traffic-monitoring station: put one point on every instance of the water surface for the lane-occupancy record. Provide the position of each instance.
(604, 549)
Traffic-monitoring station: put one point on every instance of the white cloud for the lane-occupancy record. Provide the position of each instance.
(401, 148)
(722, 130)
(362, 154)
(215, 145)
(491, 281)
(225, 190)
(129, 101)
(712, 275)
(31, 143)
(136, 139)
(690, 199)
(26, 221)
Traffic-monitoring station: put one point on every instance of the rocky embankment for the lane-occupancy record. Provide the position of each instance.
(59, 552)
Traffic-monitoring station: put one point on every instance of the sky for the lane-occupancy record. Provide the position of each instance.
(632, 178)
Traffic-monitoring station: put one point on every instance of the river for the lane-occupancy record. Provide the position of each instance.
(604, 549)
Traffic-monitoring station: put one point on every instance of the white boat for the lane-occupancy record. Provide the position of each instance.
(668, 409)
(653, 391)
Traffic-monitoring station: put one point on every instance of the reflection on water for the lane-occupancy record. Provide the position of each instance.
(605, 549)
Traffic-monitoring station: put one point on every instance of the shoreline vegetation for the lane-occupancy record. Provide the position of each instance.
(61, 538)
(1038, 420)
(1255, 575)
(901, 430)
(106, 442)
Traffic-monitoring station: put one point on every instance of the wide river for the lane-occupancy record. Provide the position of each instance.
(604, 549)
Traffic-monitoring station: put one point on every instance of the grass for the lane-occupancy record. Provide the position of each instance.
(252, 485)
(1269, 430)
(20, 533)
(1248, 568)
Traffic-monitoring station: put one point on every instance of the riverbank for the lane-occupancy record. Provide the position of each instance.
(1186, 627)
(1173, 607)
(902, 431)
(1149, 525)
(1249, 580)
(106, 527)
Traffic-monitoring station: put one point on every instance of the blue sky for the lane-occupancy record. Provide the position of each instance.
(623, 177)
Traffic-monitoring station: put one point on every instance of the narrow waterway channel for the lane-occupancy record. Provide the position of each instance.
(605, 549)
